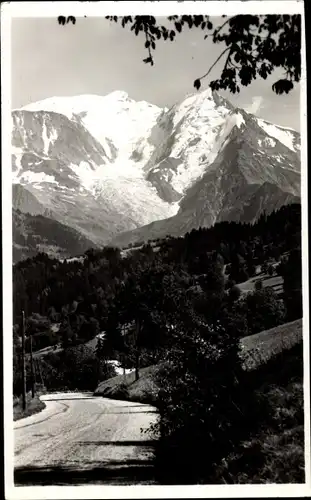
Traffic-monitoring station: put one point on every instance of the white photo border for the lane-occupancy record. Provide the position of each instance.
(100, 9)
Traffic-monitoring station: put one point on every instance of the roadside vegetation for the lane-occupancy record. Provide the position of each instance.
(177, 318)
(33, 405)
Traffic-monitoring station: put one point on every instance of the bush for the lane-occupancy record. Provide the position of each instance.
(264, 310)
(258, 285)
(234, 293)
(202, 402)
(209, 408)
(270, 270)
(74, 368)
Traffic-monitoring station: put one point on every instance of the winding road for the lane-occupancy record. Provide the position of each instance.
(82, 439)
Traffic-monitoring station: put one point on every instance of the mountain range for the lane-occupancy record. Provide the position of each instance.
(110, 170)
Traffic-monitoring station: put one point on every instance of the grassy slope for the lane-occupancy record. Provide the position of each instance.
(144, 390)
(274, 451)
(276, 282)
(256, 349)
(262, 346)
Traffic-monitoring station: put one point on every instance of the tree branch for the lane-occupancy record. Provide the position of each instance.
(217, 30)
(214, 64)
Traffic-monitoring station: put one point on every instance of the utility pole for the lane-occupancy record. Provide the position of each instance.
(32, 370)
(23, 361)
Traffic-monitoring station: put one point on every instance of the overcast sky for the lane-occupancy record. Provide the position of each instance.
(95, 56)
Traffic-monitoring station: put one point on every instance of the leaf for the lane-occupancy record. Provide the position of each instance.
(147, 44)
(61, 20)
(197, 83)
(71, 19)
(148, 60)
(282, 86)
(178, 27)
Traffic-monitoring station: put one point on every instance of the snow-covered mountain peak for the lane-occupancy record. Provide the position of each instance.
(286, 136)
(106, 164)
(118, 95)
(112, 119)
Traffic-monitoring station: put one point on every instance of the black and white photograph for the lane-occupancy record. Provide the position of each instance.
(155, 256)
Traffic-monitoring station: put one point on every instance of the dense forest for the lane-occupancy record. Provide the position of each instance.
(137, 296)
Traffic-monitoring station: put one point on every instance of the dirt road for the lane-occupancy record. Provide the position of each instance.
(81, 439)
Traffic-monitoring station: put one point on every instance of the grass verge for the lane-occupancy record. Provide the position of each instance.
(144, 390)
(34, 405)
(274, 451)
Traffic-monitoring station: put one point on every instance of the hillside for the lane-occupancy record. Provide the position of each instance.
(33, 234)
(256, 350)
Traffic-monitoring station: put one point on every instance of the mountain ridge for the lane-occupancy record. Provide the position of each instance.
(195, 163)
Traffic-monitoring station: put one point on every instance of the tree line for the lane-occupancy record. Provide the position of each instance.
(135, 296)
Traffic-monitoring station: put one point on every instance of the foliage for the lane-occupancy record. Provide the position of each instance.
(138, 315)
(264, 310)
(258, 285)
(134, 297)
(254, 45)
(234, 293)
(273, 450)
(201, 402)
(292, 274)
(210, 408)
(72, 368)
(33, 405)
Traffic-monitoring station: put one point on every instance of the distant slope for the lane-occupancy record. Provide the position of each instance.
(26, 202)
(250, 205)
(35, 233)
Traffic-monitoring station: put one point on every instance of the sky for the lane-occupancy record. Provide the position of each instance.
(96, 56)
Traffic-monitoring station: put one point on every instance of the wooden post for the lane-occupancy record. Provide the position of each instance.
(23, 361)
(124, 374)
(123, 354)
(32, 370)
(137, 333)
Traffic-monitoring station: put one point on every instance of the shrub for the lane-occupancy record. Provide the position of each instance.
(270, 270)
(202, 405)
(258, 285)
(234, 293)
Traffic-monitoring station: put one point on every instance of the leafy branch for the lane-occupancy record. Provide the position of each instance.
(256, 45)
